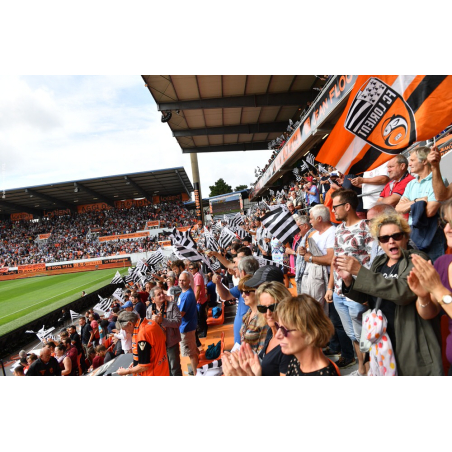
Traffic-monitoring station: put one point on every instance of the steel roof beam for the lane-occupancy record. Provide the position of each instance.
(182, 182)
(255, 146)
(95, 194)
(297, 99)
(53, 200)
(227, 130)
(140, 189)
(20, 208)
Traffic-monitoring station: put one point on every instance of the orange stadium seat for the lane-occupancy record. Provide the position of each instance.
(202, 356)
(212, 321)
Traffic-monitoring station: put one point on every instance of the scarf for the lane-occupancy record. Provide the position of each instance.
(382, 360)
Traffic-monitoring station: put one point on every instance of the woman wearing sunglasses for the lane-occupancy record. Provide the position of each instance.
(433, 283)
(414, 340)
(254, 326)
(270, 362)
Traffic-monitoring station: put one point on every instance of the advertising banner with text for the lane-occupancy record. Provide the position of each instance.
(21, 216)
(133, 235)
(339, 88)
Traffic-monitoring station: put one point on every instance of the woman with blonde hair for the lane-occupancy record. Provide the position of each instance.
(270, 361)
(415, 341)
(303, 329)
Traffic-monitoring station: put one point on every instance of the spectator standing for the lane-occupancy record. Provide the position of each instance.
(352, 238)
(419, 198)
(187, 307)
(201, 299)
(45, 365)
(371, 181)
(167, 315)
(138, 306)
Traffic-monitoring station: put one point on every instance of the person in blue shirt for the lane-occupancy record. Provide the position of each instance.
(211, 292)
(189, 312)
(312, 193)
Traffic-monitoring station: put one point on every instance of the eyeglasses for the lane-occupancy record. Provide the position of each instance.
(284, 330)
(335, 207)
(247, 292)
(397, 236)
(263, 309)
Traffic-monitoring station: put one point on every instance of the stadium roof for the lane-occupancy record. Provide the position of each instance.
(217, 113)
(67, 195)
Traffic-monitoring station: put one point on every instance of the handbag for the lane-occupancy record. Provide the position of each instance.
(364, 343)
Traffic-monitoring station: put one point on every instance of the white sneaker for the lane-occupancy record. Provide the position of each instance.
(355, 373)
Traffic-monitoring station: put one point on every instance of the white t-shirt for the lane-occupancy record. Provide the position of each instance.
(370, 200)
(325, 240)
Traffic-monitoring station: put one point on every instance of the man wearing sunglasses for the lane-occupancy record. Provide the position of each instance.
(352, 238)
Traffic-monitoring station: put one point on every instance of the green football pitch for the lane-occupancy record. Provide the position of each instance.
(23, 300)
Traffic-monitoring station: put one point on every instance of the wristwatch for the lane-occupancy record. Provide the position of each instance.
(447, 299)
(310, 261)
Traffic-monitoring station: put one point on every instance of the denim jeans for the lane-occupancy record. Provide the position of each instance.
(351, 314)
(339, 342)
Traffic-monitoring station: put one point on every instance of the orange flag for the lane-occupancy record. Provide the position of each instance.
(384, 116)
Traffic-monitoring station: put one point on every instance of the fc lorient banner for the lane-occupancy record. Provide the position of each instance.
(384, 116)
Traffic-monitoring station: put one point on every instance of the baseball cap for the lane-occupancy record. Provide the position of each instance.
(265, 274)
(174, 291)
(127, 304)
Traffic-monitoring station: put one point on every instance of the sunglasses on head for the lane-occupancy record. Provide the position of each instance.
(283, 329)
(247, 292)
(263, 309)
(397, 236)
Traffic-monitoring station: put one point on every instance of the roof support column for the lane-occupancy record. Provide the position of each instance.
(197, 187)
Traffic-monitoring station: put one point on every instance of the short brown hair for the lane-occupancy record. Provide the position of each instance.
(347, 196)
(306, 315)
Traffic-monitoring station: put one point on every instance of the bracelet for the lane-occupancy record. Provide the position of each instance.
(423, 305)
(332, 290)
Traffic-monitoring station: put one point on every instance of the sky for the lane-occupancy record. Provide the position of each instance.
(59, 128)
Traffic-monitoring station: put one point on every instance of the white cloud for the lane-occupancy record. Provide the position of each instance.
(67, 128)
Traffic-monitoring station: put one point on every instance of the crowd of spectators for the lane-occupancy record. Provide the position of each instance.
(368, 267)
(75, 236)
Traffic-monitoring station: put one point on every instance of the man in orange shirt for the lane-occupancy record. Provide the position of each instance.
(150, 346)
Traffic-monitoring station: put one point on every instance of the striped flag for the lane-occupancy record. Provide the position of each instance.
(117, 279)
(186, 253)
(141, 266)
(117, 294)
(237, 220)
(384, 116)
(211, 243)
(155, 258)
(263, 205)
(241, 233)
(264, 262)
(304, 167)
(74, 316)
(281, 225)
(103, 305)
(215, 265)
(226, 238)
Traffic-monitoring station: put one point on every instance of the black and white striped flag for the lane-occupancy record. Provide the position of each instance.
(183, 252)
(226, 238)
(141, 266)
(103, 305)
(117, 294)
(272, 193)
(74, 315)
(263, 205)
(155, 258)
(281, 225)
(129, 278)
(304, 166)
(215, 265)
(117, 279)
(241, 233)
(237, 220)
(264, 262)
(211, 243)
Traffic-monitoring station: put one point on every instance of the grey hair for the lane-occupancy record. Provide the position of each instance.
(421, 152)
(249, 265)
(125, 317)
(321, 211)
(400, 158)
(381, 208)
(302, 219)
(152, 292)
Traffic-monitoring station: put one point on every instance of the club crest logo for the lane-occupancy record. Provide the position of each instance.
(381, 117)
(142, 345)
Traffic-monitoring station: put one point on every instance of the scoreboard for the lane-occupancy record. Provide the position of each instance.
(226, 204)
